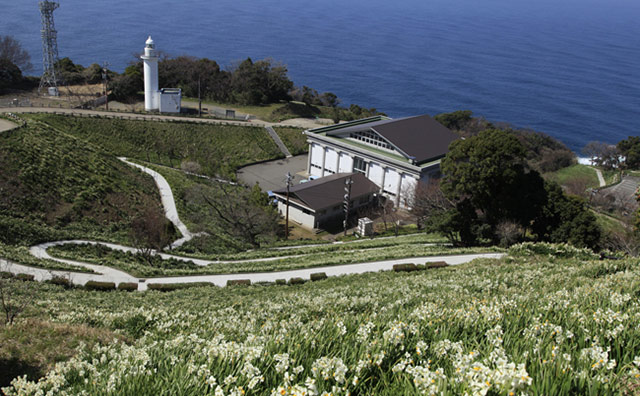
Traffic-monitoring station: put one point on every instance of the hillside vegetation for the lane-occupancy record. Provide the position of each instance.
(217, 149)
(548, 320)
(56, 186)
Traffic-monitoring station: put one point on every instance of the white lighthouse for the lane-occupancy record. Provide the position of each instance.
(166, 100)
(150, 59)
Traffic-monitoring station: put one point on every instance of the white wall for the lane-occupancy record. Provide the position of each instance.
(169, 103)
(407, 189)
(346, 163)
(316, 154)
(375, 173)
(297, 215)
(391, 179)
(331, 160)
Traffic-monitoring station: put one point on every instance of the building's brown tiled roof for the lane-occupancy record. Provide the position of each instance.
(420, 137)
(328, 191)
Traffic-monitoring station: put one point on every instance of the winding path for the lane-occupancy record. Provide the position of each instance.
(601, 180)
(108, 274)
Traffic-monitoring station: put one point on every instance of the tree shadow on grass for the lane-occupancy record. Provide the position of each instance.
(12, 368)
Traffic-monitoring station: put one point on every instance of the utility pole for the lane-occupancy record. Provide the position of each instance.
(104, 82)
(199, 100)
(346, 203)
(286, 221)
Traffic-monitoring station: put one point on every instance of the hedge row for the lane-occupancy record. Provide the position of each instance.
(167, 287)
(409, 267)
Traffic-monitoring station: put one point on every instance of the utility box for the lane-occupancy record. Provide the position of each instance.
(365, 227)
(170, 100)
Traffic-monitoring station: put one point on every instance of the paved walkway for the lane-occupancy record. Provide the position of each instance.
(6, 125)
(600, 177)
(108, 274)
(278, 141)
(169, 204)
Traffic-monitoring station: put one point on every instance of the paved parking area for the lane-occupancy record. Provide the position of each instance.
(272, 175)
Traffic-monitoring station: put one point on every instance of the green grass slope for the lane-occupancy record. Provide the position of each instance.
(54, 185)
(218, 149)
(554, 322)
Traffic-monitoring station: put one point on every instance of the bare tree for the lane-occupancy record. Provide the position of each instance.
(602, 154)
(190, 166)
(12, 50)
(509, 232)
(428, 199)
(151, 232)
(577, 186)
(238, 213)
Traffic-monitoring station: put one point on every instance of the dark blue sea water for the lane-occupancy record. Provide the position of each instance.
(570, 68)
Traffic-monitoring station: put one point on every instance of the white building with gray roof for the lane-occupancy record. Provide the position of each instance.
(393, 154)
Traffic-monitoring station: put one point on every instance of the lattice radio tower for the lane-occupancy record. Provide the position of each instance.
(49, 47)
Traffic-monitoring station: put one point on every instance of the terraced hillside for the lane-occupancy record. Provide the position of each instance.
(218, 149)
(547, 320)
(54, 185)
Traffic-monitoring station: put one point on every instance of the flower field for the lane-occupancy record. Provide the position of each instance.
(543, 321)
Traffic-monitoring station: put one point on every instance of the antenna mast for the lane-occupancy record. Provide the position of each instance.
(49, 48)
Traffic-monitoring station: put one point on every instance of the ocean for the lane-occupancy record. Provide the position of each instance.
(570, 68)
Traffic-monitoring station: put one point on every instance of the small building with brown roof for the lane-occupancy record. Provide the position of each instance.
(393, 154)
(318, 202)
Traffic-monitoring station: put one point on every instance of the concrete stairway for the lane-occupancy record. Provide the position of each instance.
(278, 141)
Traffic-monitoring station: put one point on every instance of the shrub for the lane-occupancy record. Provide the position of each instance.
(128, 286)
(296, 281)
(316, 276)
(436, 264)
(6, 275)
(25, 277)
(561, 250)
(281, 281)
(167, 287)
(60, 281)
(405, 267)
(238, 282)
(100, 286)
(421, 267)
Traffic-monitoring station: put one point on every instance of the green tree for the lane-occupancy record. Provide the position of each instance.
(10, 74)
(566, 219)
(496, 194)
(489, 171)
(126, 86)
(630, 149)
(455, 120)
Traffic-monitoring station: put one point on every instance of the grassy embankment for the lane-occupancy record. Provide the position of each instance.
(558, 322)
(573, 173)
(56, 186)
(294, 139)
(304, 257)
(218, 149)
